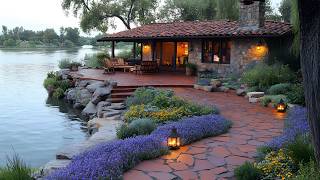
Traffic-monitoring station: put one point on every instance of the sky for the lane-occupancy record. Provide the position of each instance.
(41, 14)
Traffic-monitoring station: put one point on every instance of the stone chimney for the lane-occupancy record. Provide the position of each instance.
(252, 14)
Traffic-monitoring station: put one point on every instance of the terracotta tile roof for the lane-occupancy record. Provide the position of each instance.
(198, 29)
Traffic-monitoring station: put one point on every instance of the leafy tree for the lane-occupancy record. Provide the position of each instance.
(101, 14)
(309, 16)
(296, 27)
(228, 9)
(188, 10)
(4, 30)
(285, 10)
(73, 35)
(49, 35)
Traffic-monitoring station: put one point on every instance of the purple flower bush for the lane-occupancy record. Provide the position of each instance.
(296, 124)
(109, 160)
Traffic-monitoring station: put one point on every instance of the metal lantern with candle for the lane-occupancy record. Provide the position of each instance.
(281, 106)
(174, 139)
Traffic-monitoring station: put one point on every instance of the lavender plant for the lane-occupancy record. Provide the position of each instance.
(110, 160)
(296, 124)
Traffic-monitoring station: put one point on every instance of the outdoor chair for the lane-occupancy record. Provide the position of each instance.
(108, 67)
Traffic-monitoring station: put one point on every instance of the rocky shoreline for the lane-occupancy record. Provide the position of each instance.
(92, 97)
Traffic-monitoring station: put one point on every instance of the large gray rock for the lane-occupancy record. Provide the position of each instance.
(90, 110)
(82, 83)
(83, 96)
(92, 87)
(100, 94)
(101, 107)
(216, 83)
(241, 92)
(71, 94)
(255, 94)
(64, 73)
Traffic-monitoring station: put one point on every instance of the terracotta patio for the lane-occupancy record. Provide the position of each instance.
(216, 157)
(161, 79)
(211, 158)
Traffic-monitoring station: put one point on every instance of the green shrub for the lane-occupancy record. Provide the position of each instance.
(58, 93)
(273, 99)
(281, 88)
(148, 95)
(92, 61)
(192, 66)
(309, 171)
(262, 151)
(301, 150)
(63, 84)
(49, 82)
(263, 76)
(135, 128)
(296, 95)
(51, 74)
(15, 169)
(65, 64)
(247, 171)
(102, 56)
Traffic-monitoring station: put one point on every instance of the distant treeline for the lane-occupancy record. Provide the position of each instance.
(21, 38)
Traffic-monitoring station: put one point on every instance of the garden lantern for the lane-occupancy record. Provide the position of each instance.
(281, 106)
(174, 139)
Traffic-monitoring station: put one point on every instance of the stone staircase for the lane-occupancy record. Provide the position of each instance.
(120, 93)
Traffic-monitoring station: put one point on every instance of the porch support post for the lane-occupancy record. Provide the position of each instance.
(134, 50)
(141, 52)
(175, 56)
(154, 47)
(112, 49)
(161, 52)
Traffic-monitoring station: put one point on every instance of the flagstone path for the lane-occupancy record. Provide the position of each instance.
(215, 157)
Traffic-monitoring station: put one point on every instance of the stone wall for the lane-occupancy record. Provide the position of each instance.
(243, 52)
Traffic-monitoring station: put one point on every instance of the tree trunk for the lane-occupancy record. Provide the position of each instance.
(309, 14)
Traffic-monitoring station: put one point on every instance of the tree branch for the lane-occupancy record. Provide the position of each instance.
(85, 5)
(130, 12)
(119, 17)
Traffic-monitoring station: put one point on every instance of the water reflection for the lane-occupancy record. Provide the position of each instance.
(34, 126)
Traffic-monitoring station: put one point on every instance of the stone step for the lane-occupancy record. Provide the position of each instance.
(121, 95)
(122, 90)
(116, 100)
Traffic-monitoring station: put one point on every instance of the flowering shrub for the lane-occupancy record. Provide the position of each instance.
(296, 124)
(277, 165)
(166, 114)
(110, 160)
(136, 128)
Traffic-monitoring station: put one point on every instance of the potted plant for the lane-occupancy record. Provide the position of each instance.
(190, 69)
(74, 66)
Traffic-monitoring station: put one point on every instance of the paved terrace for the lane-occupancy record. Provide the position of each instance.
(216, 157)
(210, 158)
(131, 79)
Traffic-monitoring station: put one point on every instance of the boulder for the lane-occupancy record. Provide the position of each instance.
(90, 110)
(100, 94)
(117, 106)
(255, 94)
(92, 87)
(101, 107)
(64, 73)
(83, 96)
(254, 100)
(216, 83)
(221, 89)
(241, 92)
(111, 113)
(196, 86)
(204, 88)
(71, 94)
(82, 83)
(77, 106)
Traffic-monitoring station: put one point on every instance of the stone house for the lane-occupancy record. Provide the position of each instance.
(221, 46)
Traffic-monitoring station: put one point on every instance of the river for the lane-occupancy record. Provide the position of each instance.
(30, 125)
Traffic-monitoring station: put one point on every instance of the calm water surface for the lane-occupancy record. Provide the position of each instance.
(31, 125)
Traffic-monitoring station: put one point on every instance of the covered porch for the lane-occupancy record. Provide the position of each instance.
(168, 79)
(167, 55)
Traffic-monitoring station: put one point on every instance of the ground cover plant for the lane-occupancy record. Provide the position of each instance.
(68, 63)
(162, 106)
(109, 160)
